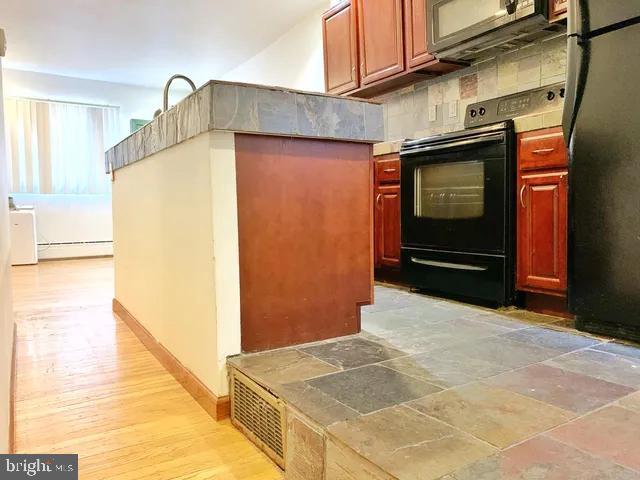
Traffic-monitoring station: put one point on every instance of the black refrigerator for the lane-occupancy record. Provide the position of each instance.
(602, 128)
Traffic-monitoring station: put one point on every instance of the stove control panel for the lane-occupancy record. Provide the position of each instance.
(531, 102)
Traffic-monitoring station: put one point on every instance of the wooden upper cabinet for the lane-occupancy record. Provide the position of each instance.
(375, 46)
(380, 33)
(339, 30)
(415, 33)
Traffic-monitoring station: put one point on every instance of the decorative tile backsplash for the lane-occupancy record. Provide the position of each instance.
(438, 105)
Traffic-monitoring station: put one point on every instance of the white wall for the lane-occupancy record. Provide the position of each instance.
(295, 60)
(176, 252)
(74, 218)
(6, 311)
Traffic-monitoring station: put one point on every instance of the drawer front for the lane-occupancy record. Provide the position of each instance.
(542, 149)
(388, 169)
(461, 275)
(559, 6)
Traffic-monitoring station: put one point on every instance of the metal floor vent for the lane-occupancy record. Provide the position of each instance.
(259, 415)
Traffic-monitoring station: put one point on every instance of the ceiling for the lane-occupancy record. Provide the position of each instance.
(143, 42)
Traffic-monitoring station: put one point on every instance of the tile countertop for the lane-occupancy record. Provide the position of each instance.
(522, 124)
(258, 109)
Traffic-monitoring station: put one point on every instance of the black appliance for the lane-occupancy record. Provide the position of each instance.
(602, 126)
(467, 30)
(457, 214)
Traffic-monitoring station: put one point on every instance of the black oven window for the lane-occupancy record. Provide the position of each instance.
(452, 191)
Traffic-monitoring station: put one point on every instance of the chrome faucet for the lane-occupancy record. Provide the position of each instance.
(165, 102)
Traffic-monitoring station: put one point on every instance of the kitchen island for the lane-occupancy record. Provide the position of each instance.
(243, 222)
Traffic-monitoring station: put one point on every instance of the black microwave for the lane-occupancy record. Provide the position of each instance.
(468, 30)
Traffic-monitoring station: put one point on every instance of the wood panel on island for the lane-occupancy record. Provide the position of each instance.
(305, 235)
(387, 211)
(391, 50)
(543, 217)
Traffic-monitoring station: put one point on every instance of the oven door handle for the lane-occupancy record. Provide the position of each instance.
(485, 138)
(453, 266)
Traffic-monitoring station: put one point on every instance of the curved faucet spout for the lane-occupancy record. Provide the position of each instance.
(165, 102)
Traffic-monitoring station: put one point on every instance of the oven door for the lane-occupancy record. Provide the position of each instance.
(455, 21)
(454, 195)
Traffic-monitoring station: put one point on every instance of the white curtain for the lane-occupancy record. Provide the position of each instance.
(56, 147)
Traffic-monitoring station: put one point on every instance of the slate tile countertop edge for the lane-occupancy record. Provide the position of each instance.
(257, 109)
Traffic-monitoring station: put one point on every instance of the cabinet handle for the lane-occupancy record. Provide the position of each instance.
(521, 196)
(543, 151)
(378, 197)
(454, 266)
(389, 170)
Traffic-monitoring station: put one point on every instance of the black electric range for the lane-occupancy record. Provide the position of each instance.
(458, 202)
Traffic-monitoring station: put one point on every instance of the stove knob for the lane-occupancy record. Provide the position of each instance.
(562, 92)
(482, 111)
(551, 95)
(473, 113)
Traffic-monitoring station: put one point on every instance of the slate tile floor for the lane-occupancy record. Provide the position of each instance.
(433, 389)
(372, 388)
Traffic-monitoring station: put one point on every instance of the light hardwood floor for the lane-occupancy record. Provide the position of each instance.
(86, 385)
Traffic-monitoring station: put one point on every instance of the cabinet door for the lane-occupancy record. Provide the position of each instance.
(340, 49)
(542, 232)
(381, 42)
(387, 225)
(415, 33)
(558, 10)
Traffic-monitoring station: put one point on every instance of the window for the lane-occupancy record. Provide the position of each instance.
(450, 191)
(57, 147)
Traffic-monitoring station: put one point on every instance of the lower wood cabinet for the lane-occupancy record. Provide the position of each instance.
(387, 211)
(542, 231)
(387, 225)
(542, 216)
